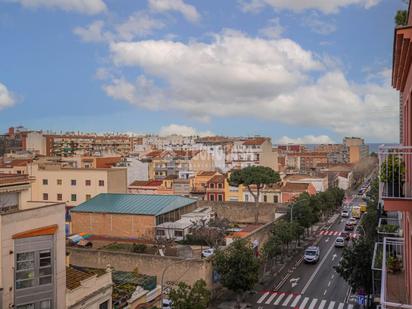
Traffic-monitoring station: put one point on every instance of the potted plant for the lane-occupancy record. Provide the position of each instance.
(392, 174)
(394, 264)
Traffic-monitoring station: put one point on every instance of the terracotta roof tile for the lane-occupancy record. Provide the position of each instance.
(255, 141)
(74, 277)
(295, 187)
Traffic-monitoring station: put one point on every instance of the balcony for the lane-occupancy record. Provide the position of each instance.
(391, 225)
(393, 282)
(395, 164)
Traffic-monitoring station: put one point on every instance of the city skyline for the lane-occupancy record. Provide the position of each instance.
(103, 68)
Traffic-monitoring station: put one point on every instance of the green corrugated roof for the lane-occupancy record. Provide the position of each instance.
(136, 204)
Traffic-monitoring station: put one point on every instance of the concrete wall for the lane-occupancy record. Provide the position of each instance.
(243, 212)
(178, 269)
(117, 180)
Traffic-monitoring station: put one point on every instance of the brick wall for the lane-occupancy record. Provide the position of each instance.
(244, 212)
(178, 269)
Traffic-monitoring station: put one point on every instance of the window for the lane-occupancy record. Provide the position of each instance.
(45, 304)
(211, 197)
(45, 182)
(212, 185)
(59, 182)
(25, 270)
(59, 196)
(45, 267)
(73, 182)
(88, 197)
(88, 182)
(74, 198)
(45, 196)
(220, 185)
(265, 198)
(104, 305)
(101, 183)
(275, 199)
(160, 232)
(178, 233)
(220, 197)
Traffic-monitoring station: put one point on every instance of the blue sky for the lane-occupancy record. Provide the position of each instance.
(297, 70)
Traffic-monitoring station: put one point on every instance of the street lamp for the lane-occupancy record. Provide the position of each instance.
(291, 207)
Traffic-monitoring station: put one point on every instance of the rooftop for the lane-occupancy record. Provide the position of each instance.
(13, 179)
(135, 204)
(255, 141)
(74, 277)
(295, 187)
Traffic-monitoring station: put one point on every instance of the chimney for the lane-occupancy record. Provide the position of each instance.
(11, 131)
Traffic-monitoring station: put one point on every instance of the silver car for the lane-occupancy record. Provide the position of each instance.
(340, 242)
(311, 254)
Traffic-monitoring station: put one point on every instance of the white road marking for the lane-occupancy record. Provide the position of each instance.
(333, 276)
(303, 304)
(324, 293)
(279, 299)
(322, 304)
(331, 305)
(341, 306)
(287, 300)
(316, 270)
(329, 284)
(271, 298)
(295, 302)
(262, 298)
(313, 303)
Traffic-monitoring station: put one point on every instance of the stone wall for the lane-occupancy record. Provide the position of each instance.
(244, 212)
(178, 269)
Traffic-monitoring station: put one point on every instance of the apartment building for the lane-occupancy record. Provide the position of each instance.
(12, 141)
(52, 182)
(215, 188)
(32, 248)
(396, 185)
(336, 153)
(257, 151)
(357, 149)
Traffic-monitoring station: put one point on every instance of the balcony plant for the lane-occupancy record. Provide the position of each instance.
(392, 174)
(394, 264)
(388, 228)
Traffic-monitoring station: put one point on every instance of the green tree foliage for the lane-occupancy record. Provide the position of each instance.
(187, 297)
(355, 266)
(254, 177)
(401, 18)
(237, 266)
(271, 250)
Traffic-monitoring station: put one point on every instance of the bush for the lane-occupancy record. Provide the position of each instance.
(139, 248)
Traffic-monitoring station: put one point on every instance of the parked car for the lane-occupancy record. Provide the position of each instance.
(353, 221)
(311, 254)
(167, 304)
(345, 235)
(339, 242)
(208, 252)
(345, 213)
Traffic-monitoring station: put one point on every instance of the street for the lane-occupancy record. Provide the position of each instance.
(312, 286)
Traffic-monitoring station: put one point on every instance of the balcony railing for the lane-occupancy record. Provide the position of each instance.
(393, 284)
(394, 164)
(391, 225)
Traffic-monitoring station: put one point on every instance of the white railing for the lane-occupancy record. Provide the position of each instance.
(392, 249)
(394, 164)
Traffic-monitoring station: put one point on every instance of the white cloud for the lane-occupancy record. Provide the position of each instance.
(325, 6)
(182, 130)
(7, 99)
(317, 24)
(273, 30)
(90, 7)
(93, 32)
(187, 10)
(307, 139)
(140, 24)
(236, 75)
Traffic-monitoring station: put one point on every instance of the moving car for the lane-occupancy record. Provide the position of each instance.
(345, 213)
(353, 221)
(345, 235)
(349, 226)
(311, 254)
(208, 252)
(339, 242)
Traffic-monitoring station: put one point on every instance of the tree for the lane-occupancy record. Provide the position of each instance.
(401, 18)
(187, 297)
(272, 248)
(238, 267)
(256, 176)
(355, 266)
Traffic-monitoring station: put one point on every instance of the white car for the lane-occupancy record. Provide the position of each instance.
(353, 221)
(345, 213)
(340, 242)
(167, 304)
(311, 254)
(208, 252)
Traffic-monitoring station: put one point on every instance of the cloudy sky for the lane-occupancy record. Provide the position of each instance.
(295, 70)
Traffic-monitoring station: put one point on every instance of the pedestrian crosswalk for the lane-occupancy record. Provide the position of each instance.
(298, 301)
(335, 233)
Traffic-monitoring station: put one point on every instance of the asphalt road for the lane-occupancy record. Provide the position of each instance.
(312, 286)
